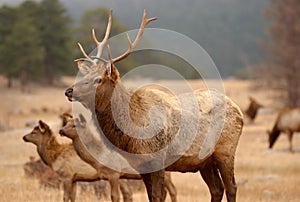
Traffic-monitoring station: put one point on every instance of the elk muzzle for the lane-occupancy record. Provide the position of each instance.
(62, 132)
(25, 138)
(69, 94)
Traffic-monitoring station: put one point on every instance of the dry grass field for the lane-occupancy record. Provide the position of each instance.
(262, 174)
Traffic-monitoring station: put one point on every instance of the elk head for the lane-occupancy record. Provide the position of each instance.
(71, 128)
(39, 133)
(100, 76)
(254, 103)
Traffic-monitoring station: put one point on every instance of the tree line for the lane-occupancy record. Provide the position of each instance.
(38, 42)
(282, 67)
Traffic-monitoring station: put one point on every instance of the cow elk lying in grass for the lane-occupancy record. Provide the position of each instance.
(71, 131)
(48, 178)
(288, 121)
(100, 90)
(39, 170)
(63, 159)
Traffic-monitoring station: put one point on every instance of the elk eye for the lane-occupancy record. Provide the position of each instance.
(97, 80)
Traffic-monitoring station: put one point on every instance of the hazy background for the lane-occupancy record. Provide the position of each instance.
(229, 30)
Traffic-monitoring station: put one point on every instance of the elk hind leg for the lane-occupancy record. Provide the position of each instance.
(226, 168)
(211, 177)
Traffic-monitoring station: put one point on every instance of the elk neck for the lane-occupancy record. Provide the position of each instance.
(131, 112)
(274, 134)
(49, 150)
(83, 152)
(104, 116)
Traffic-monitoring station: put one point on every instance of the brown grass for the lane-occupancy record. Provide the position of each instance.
(262, 174)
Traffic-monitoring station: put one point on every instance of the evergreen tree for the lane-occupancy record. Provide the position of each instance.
(7, 18)
(21, 50)
(35, 41)
(56, 38)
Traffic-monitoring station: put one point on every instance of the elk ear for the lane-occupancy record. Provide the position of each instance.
(68, 116)
(114, 73)
(83, 67)
(77, 122)
(82, 120)
(269, 132)
(43, 126)
(252, 99)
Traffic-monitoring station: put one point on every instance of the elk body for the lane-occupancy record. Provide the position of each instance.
(62, 158)
(103, 94)
(288, 121)
(70, 130)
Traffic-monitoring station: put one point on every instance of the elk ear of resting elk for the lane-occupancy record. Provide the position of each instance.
(100, 90)
(287, 121)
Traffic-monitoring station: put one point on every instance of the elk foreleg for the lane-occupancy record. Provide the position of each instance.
(154, 183)
(114, 185)
(126, 191)
(69, 193)
(290, 136)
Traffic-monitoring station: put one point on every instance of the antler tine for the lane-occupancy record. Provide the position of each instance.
(109, 53)
(133, 44)
(87, 58)
(101, 44)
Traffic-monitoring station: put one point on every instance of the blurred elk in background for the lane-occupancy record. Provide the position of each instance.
(288, 121)
(252, 109)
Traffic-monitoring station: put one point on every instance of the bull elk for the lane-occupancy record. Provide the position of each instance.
(115, 108)
(288, 121)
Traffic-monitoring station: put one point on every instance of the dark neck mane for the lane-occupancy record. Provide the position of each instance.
(50, 150)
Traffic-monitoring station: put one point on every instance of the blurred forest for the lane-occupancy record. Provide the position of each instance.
(228, 30)
(245, 39)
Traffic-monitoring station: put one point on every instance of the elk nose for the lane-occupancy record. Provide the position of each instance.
(61, 132)
(69, 92)
(25, 139)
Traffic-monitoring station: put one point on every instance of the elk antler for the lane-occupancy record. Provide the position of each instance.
(86, 57)
(99, 45)
(133, 44)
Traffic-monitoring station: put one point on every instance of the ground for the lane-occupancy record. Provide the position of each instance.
(261, 174)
